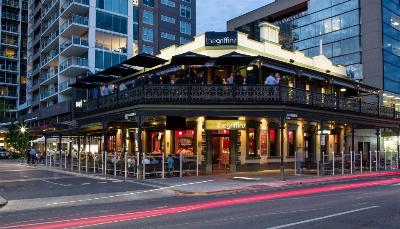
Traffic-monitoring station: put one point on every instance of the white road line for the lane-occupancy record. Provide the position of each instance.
(323, 217)
(50, 182)
(127, 194)
(16, 170)
(117, 181)
(85, 183)
(102, 182)
(398, 184)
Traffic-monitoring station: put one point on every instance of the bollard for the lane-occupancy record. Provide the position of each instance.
(384, 154)
(115, 164)
(60, 160)
(318, 172)
(397, 161)
(323, 163)
(50, 160)
(144, 166)
(126, 165)
(94, 163)
(163, 165)
(333, 163)
(361, 161)
(72, 163)
(376, 161)
(86, 161)
(351, 162)
(295, 164)
(105, 164)
(180, 165)
(391, 161)
(65, 160)
(342, 163)
(370, 161)
(197, 165)
(137, 165)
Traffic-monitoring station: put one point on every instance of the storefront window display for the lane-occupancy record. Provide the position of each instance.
(184, 142)
(292, 142)
(272, 142)
(252, 143)
(156, 142)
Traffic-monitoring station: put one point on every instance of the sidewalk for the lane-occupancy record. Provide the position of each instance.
(239, 182)
(3, 202)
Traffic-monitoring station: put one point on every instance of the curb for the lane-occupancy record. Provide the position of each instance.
(3, 202)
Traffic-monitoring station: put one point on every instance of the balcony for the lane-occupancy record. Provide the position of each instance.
(49, 58)
(50, 25)
(49, 93)
(10, 16)
(64, 86)
(50, 42)
(74, 66)
(49, 9)
(8, 81)
(9, 67)
(49, 77)
(9, 42)
(9, 94)
(75, 25)
(10, 29)
(9, 55)
(76, 46)
(247, 96)
(71, 7)
(11, 3)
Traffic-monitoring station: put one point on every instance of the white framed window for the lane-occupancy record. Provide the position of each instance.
(168, 19)
(168, 3)
(186, 28)
(186, 12)
(168, 36)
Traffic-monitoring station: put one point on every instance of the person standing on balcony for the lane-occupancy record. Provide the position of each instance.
(277, 78)
(106, 90)
(270, 80)
(231, 79)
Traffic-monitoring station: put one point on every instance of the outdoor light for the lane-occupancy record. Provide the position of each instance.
(23, 129)
(343, 89)
(250, 68)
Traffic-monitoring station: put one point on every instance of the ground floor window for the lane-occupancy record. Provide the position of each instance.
(156, 142)
(184, 142)
(273, 152)
(252, 151)
(292, 142)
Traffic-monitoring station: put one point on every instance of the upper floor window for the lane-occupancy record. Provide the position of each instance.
(168, 3)
(168, 36)
(148, 17)
(168, 19)
(116, 6)
(186, 28)
(148, 3)
(186, 12)
(135, 14)
(183, 40)
(148, 34)
(148, 49)
(188, 1)
(111, 22)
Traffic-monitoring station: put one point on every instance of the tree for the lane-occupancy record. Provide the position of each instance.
(18, 138)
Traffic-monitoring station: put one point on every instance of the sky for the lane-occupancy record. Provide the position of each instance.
(212, 15)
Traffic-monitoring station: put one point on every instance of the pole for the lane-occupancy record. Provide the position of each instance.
(60, 150)
(384, 154)
(79, 154)
(126, 164)
(370, 161)
(72, 158)
(180, 165)
(376, 161)
(333, 163)
(94, 163)
(137, 165)
(282, 165)
(342, 162)
(323, 163)
(295, 163)
(144, 166)
(163, 165)
(197, 164)
(361, 161)
(115, 164)
(86, 161)
(45, 148)
(351, 162)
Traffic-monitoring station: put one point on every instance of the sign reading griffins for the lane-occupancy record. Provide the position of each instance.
(221, 38)
(225, 125)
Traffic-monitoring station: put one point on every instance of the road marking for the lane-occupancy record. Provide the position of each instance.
(35, 179)
(127, 194)
(102, 182)
(323, 217)
(16, 170)
(398, 184)
(85, 183)
(50, 182)
(117, 181)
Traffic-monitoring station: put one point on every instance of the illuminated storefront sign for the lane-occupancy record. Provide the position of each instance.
(225, 124)
(221, 38)
(324, 132)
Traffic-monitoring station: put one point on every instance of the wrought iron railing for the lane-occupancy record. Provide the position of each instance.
(224, 94)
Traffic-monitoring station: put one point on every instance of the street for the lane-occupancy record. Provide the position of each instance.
(38, 198)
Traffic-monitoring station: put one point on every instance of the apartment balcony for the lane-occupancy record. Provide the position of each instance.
(11, 95)
(8, 82)
(50, 25)
(49, 77)
(74, 66)
(48, 94)
(11, 3)
(10, 29)
(10, 16)
(50, 59)
(50, 42)
(71, 7)
(9, 68)
(49, 9)
(9, 55)
(64, 87)
(76, 46)
(75, 25)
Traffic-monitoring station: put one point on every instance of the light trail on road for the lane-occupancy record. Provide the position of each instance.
(115, 218)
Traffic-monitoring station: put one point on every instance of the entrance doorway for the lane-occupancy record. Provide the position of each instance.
(221, 151)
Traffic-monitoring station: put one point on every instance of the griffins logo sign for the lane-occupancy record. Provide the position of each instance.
(221, 38)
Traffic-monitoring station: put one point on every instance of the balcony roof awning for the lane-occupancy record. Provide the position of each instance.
(98, 78)
(189, 58)
(144, 60)
(120, 70)
(85, 85)
(234, 59)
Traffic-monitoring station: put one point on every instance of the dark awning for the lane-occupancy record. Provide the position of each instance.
(234, 59)
(190, 58)
(100, 78)
(85, 85)
(144, 60)
(119, 70)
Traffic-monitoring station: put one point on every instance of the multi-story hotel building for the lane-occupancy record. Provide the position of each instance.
(71, 38)
(13, 57)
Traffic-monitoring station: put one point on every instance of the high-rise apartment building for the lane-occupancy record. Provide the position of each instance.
(362, 35)
(13, 46)
(71, 38)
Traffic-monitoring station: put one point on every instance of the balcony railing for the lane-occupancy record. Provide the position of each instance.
(8, 54)
(69, 2)
(8, 67)
(48, 23)
(11, 3)
(49, 39)
(48, 7)
(75, 19)
(74, 40)
(50, 74)
(13, 29)
(65, 85)
(224, 94)
(78, 61)
(51, 55)
(10, 16)
(48, 93)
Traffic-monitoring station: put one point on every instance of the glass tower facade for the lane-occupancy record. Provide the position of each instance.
(391, 45)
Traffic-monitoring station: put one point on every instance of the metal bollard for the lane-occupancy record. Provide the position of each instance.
(342, 163)
(351, 162)
(163, 165)
(384, 154)
(197, 165)
(126, 165)
(323, 163)
(105, 164)
(115, 164)
(137, 165)
(361, 161)
(86, 161)
(391, 161)
(333, 163)
(72, 163)
(318, 167)
(376, 161)
(370, 161)
(180, 165)
(65, 160)
(94, 163)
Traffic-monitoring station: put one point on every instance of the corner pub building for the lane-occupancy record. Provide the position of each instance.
(313, 115)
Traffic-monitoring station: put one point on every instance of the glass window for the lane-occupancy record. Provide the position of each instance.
(116, 6)
(148, 3)
(186, 28)
(148, 34)
(148, 17)
(168, 3)
(148, 49)
(292, 142)
(272, 136)
(391, 45)
(391, 86)
(186, 12)
(168, 36)
(252, 143)
(183, 40)
(168, 19)
(135, 32)
(135, 14)
(111, 22)
(99, 59)
(184, 142)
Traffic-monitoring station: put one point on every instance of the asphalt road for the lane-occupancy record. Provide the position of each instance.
(47, 199)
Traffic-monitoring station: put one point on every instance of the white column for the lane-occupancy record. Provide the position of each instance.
(92, 34)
